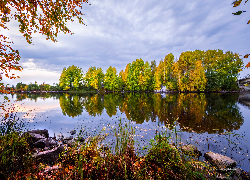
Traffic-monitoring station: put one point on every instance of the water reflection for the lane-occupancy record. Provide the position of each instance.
(212, 113)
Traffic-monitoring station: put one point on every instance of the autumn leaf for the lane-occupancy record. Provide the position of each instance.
(246, 56)
(237, 3)
(248, 65)
(48, 23)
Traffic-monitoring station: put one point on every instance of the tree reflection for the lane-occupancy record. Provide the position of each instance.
(71, 105)
(199, 112)
(137, 106)
(110, 103)
(94, 104)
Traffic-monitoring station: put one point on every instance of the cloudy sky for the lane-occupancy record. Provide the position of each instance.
(119, 32)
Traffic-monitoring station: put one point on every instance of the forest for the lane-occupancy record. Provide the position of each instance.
(198, 70)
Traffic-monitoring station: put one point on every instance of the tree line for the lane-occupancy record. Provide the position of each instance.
(198, 70)
(35, 87)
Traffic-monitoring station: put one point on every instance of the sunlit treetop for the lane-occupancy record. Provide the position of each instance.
(47, 17)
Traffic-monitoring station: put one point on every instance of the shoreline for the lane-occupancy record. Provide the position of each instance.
(155, 91)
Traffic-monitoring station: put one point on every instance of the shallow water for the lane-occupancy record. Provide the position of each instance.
(213, 122)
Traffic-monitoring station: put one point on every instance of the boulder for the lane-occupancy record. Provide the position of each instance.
(35, 137)
(191, 150)
(40, 143)
(222, 162)
(44, 132)
(49, 156)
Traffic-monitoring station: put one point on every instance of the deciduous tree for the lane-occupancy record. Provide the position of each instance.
(94, 78)
(111, 79)
(71, 78)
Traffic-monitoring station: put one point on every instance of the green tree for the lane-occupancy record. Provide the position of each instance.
(146, 81)
(136, 80)
(111, 79)
(32, 87)
(20, 86)
(94, 78)
(71, 78)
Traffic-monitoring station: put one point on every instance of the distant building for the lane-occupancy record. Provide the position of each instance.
(242, 83)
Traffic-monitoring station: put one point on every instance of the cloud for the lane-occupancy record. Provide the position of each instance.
(118, 32)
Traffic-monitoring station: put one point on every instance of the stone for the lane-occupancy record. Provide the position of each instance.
(49, 156)
(52, 142)
(44, 132)
(222, 162)
(68, 138)
(191, 150)
(35, 137)
(40, 143)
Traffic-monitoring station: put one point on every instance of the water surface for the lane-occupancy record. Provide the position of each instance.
(213, 122)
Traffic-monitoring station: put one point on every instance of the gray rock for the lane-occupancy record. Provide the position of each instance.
(35, 137)
(49, 156)
(68, 138)
(52, 142)
(222, 162)
(46, 142)
(44, 132)
(191, 150)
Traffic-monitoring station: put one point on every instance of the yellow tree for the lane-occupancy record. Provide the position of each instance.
(47, 17)
(94, 78)
(146, 78)
(158, 76)
(198, 79)
(163, 74)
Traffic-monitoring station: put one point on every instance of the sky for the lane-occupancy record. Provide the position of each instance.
(119, 32)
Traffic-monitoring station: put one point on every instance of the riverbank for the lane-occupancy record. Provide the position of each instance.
(37, 155)
(155, 91)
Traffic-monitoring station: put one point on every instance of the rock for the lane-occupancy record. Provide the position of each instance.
(49, 156)
(73, 132)
(68, 138)
(46, 142)
(35, 137)
(40, 143)
(222, 162)
(44, 132)
(191, 150)
(52, 142)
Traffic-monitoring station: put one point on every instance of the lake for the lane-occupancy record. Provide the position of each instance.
(217, 122)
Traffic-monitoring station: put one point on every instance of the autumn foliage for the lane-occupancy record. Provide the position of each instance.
(47, 17)
(210, 70)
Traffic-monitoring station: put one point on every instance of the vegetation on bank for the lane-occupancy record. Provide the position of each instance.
(89, 160)
(198, 70)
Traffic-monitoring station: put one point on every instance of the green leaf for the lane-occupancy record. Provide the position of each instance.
(238, 12)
